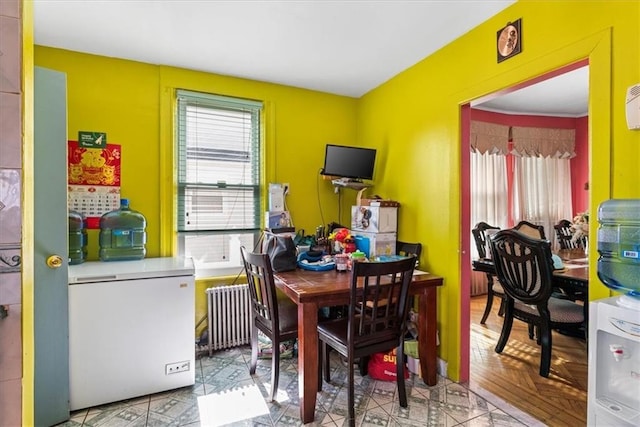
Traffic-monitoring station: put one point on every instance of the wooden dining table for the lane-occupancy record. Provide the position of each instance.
(574, 276)
(312, 290)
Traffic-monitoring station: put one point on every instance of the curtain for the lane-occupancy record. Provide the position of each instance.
(542, 192)
(488, 201)
(489, 189)
(541, 184)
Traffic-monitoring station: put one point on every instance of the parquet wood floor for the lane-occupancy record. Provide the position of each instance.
(559, 400)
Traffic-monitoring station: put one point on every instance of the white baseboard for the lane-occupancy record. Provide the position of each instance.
(442, 367)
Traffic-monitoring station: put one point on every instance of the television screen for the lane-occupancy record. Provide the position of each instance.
(349, 162)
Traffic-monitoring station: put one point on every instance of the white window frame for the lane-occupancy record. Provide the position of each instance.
(212, 231)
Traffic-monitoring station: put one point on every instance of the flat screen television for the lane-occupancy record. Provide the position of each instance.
(349, 162)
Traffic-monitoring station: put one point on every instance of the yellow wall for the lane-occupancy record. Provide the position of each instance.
(414, 121)
(131, 102)
(418, 112)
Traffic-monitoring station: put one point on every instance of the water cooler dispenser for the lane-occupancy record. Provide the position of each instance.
(614, 323)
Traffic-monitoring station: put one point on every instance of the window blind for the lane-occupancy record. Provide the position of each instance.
(218, 163)
(218, 196)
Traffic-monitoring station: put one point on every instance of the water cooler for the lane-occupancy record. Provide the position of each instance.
(614, 323)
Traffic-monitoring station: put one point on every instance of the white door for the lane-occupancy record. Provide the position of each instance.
(51, 313)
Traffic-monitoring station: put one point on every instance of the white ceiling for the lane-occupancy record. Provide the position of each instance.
(341, 47)
(566, 95)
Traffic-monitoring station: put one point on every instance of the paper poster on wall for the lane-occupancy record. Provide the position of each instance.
(93, 176)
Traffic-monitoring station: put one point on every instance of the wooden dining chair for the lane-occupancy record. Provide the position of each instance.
(272, 312)
(402, 249)
(408, 249)
(484, 264)
(525, 268)
(565, 236)
(384, 287)
(531, 230)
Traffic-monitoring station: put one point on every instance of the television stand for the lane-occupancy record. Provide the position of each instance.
(354, 184)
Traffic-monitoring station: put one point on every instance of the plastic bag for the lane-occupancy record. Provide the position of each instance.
(382, 366)
(281, 251)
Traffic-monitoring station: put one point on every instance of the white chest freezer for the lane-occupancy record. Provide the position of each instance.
(131, 329)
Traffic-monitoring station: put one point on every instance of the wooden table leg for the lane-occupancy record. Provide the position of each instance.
(427, 333)
(307, 360)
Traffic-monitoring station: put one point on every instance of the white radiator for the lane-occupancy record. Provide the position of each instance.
(228, 316)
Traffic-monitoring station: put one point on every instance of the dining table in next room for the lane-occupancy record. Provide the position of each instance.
(311, 290)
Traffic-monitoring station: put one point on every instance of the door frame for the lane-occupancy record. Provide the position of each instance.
(594, 51)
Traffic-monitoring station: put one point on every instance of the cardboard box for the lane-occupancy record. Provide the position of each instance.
(379, 202)
(375, 244)
(277, 219)
(374, 219)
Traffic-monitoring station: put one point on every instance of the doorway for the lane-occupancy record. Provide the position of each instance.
(507, 99)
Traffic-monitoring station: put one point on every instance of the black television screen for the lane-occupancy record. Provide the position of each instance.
(349, 162)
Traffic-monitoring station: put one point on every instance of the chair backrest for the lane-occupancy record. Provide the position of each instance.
(523, 266)
(531, 230)
(480, 235)
(565, 236)
(408, 249)
(382, 287)
(262, 288)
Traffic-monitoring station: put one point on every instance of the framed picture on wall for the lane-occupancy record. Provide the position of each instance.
(509, 40)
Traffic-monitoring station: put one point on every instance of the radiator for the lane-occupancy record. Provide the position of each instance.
(228, 316)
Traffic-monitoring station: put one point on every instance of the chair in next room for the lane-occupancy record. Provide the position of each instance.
(484, 264)
(524, 267)
(531, 230)
(272, 312)
(564, 234)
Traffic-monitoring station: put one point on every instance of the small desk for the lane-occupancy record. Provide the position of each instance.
(311, 290)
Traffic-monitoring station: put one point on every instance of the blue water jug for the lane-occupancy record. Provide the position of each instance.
(77, 238)
(123, 234)
(619, 245)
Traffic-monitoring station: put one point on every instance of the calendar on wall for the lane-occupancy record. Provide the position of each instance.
(93, 175)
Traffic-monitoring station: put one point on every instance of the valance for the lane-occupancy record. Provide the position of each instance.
(543, 142)
(525, 141)
(489, 137)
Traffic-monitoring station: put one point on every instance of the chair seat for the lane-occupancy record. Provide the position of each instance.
(287, 313)
(497, 288)
(561, 311)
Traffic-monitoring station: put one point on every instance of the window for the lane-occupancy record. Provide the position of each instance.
(520, 173)
(218, 179)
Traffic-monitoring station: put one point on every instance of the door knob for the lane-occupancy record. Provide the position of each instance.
(54, 261)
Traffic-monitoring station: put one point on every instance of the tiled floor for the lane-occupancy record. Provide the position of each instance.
(225, 394)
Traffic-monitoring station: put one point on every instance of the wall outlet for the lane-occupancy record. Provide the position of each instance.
(174, 368)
